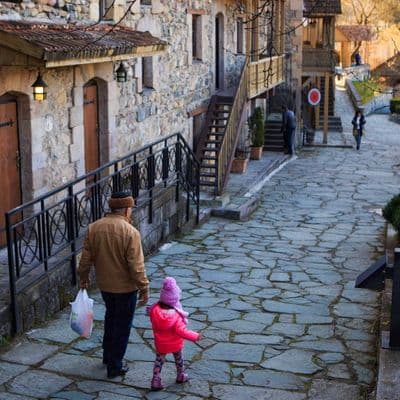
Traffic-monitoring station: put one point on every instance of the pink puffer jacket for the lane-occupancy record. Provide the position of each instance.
(169, 330)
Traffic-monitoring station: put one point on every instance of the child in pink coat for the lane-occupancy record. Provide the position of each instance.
(168, 321)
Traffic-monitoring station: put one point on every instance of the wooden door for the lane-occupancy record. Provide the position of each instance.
(219, 52)
(91, 127)
(10, 193)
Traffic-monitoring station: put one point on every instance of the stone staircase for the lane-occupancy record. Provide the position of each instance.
(273, 135)
(216, 121)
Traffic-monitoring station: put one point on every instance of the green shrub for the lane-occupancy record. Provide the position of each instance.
(391, 212)
(396, 219)
(395, 106)
(392, 205)
(256, 126)
(368, 89)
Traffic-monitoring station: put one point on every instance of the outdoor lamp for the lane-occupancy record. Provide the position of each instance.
(39, 92)
(121, 73)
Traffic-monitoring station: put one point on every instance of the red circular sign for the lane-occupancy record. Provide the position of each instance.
(314, 97)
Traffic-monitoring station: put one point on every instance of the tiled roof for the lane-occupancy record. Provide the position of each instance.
(54, 42)
(322, 7)
(390, 68)
(356, 32)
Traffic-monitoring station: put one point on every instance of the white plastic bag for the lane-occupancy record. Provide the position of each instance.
(81, 319)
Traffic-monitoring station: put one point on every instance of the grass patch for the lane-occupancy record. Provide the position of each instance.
(368, 89)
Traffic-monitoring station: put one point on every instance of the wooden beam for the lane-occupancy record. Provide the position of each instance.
(196, 111)
(318, 107)
(197, 11)
(326, 108)
(134, 53)
(20, 45)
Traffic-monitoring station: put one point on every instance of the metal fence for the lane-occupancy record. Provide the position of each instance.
(48, 231)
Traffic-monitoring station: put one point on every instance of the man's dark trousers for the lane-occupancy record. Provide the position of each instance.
(290, 140)
(120, 308)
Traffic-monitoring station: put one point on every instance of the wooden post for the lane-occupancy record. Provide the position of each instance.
(317, 108)
(326, 108)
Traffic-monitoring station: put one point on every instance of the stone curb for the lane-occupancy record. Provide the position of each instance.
(335, 146)
(243, 211)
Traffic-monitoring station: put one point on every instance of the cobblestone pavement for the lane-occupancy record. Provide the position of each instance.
(273, 296)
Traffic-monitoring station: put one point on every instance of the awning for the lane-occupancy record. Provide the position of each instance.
(59, 45)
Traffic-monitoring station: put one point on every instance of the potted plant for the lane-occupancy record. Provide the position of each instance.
(239, 163)
(256, 126)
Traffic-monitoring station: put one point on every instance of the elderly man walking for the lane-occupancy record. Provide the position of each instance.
(114, 247)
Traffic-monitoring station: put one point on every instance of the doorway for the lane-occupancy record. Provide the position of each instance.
(10, 161)
(219, 52)
(91, 126)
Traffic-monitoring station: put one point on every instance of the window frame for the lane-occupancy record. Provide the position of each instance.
(239, 36)
(197, 36)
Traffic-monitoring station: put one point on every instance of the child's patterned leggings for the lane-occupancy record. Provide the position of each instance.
(160, 359)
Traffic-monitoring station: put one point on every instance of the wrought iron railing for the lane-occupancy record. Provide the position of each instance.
(48, 231)
(265, 74)
(232, 129)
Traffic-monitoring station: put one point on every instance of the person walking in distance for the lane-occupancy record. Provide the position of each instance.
(168, 321)
(288, 128)
(358, 123)
(114, 247)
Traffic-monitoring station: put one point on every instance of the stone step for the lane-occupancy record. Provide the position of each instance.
(268, 147)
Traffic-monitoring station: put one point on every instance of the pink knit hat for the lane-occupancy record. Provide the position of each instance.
(171, 295)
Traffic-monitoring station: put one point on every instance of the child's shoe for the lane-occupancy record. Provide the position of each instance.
(156, 384)
(182, 377)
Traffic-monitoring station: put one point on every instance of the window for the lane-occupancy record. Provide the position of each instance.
(239, 36)
(147, 72)
(105, 6)
(196, 37)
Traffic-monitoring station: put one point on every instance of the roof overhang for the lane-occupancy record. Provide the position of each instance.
(60, 45)
(354, 33)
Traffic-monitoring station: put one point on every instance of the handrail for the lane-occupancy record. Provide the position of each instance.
(265, 74)
(231, 131)
(48, 231)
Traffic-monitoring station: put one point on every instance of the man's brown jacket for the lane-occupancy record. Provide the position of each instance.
(114, 247)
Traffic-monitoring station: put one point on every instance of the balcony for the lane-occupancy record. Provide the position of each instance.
(264, 75)
(319, 61)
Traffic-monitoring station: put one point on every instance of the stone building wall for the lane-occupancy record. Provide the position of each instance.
(294, 59)
(134, 115)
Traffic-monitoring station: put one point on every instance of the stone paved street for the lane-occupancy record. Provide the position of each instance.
(273, 296)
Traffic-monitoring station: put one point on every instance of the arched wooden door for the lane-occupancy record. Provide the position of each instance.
(10, 193)
(91, 126)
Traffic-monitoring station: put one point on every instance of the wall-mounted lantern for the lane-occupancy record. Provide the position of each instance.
(39, 91)
(121, 73)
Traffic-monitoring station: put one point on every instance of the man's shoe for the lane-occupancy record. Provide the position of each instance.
(113, 373)
(156, 384)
